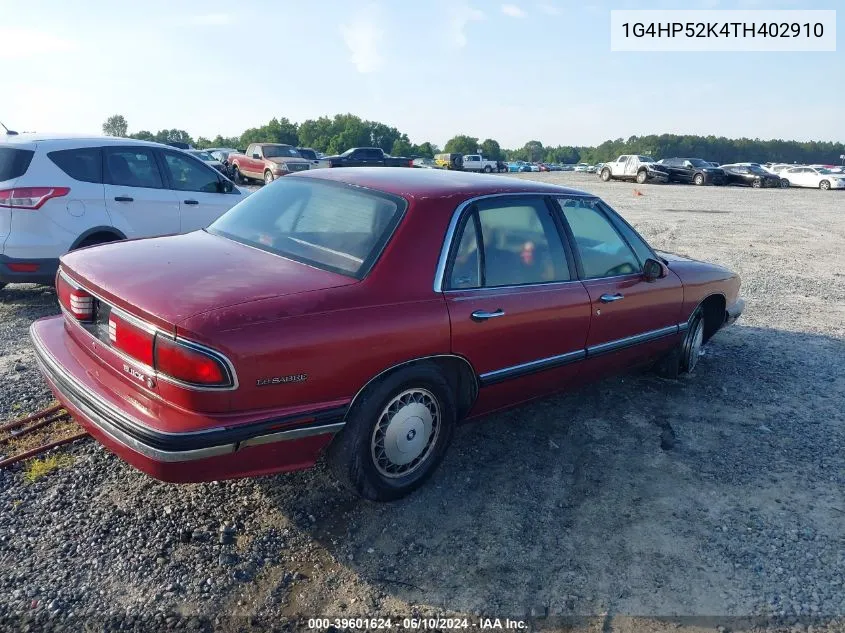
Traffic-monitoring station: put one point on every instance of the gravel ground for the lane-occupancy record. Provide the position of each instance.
(716, 496)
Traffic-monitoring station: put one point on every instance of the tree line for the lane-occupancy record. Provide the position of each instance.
(334, 135)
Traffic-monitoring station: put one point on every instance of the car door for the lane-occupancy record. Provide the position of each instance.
(139, 203)
(632, 319)
(517, 311)
(199, 189)
(631, 165)
(255, 161)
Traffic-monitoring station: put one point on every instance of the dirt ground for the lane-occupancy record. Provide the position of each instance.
(567, 511)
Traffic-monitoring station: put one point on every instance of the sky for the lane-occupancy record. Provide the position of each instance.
(513, 71)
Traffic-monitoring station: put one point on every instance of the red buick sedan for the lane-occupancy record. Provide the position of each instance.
(365, 311)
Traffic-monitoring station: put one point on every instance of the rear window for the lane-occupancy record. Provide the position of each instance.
(14, 162)
(329, 225)
(84, 163)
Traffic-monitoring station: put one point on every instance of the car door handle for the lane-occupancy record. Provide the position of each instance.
(483, 315)
(124, 199)
(192, 201)
(611, 298)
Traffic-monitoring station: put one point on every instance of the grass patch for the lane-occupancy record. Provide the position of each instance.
(39, 467)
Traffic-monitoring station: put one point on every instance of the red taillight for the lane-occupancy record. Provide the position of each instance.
(75, 300)
(23, 268)
(189, 364)
(131, 339)
(31, 198)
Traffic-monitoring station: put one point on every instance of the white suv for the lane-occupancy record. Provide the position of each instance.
(62, 193)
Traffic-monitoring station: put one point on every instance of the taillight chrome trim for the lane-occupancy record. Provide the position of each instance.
(152, 329)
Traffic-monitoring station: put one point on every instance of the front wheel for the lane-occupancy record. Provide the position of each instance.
(824, 185)
(757, 184)
(237, 176)
(268, 177)
(698, 179)
(693, 343)
(642, 176)
(605, 174)
(784, 183)
(396, 435)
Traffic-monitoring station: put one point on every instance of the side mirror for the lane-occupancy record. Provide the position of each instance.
(653, 269)
(256, 156)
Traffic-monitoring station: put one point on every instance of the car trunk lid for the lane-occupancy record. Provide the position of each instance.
(166, 280)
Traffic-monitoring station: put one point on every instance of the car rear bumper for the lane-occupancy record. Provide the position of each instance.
(267, 446)
(734, 311)
(16, 270)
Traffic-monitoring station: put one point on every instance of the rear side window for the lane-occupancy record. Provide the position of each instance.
(331, 226)
(133, 167)
(84, 163)
(14, 162)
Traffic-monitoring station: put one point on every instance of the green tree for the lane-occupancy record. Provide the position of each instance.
(116, 125)
(490, 149)
(143, 135)
(534, 151)
(402, 147)
(426, 150)
(462, 144)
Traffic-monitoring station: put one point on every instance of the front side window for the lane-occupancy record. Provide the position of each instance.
(187, 174)
(603, 251)
(133, 167)
(328, 225)
(520, 244)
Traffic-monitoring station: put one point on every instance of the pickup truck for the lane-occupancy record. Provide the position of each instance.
(476, 162)
(633, 167)
(266, 161)
(366, 157)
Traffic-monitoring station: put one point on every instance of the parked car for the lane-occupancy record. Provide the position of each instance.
(311, 156)
(209, 160)
(816, 177)
(266, 162)
(426, 163)
(582, 167)
(450, 160)
(519, 166)
(476, 162)
(501, 166)
(591, 169)
(751, 175)
(60, 193)
(633, 167)
(367, 157)
(365, 324)
(693, 170)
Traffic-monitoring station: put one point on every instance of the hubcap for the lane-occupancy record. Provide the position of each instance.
(696, 343)
(405, 433)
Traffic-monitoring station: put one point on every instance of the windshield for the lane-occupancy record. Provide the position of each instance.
(279, 151)
(329, 225)
(204, 156)
(825, 170)
(756, 169)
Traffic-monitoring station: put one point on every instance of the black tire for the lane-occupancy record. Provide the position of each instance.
(352, 452)
(642, 176)
(94, 240)
(824, 185)
(268, 177)
(698, 179)
(784, 183)
(690, 348)
(605, 174)
(757, 183)
(458, 162)
(487, 169)
(236, 175)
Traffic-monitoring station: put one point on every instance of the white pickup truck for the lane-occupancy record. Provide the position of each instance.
(475, 162)
(633, 167)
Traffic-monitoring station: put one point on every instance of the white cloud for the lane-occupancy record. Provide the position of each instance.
(550, 9)
(363, 37)
(513, 11)
(212, 19)
(24, 43)
(460, 17)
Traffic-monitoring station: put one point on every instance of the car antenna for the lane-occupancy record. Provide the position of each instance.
(8, 131)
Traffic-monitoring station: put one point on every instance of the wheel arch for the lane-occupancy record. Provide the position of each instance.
(110, 231)
(457, 370)
(713, 308)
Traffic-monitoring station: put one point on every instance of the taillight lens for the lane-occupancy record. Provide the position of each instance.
(189, 364)
(31, 198)
(131, 339)
(75, 300)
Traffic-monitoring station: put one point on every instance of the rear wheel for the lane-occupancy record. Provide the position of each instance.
(97, 238)
(698, 179)
(605, 174)
(824, 184)
(784, 183)
(396, 434)
(487, 169)
(642, 176)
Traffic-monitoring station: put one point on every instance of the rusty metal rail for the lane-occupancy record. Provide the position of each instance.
(43, 423)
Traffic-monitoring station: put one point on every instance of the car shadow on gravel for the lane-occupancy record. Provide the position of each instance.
(717, 494)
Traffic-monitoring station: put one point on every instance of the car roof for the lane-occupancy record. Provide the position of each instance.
(71, 139)
(434, 183)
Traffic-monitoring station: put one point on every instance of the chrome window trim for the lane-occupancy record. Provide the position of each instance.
(446, 247)
(155, 330)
